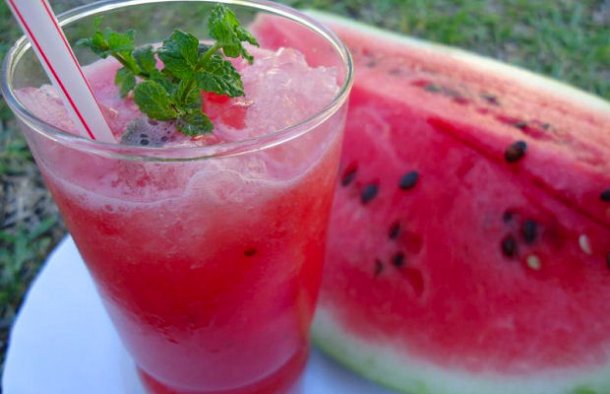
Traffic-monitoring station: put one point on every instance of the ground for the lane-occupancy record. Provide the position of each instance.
(566, 39)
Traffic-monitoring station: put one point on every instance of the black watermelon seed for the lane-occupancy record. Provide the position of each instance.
(521, 125)
(250, 252)
(515, 151)
(529, 229)
(144, 142)
(408, 180)
(398, 260)
(348, 175)
(490, 98)
(369, 192)
(378, 267)
(433, 88)
(605, 195)
(507, 217)
(608, 260)
(394, 230)
(509, 246)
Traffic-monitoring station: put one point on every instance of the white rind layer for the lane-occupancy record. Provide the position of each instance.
(393, 366)
(485, 65)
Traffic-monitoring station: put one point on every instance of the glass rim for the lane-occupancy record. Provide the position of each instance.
(181, 153)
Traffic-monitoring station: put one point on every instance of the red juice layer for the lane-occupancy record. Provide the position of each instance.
(214, 307)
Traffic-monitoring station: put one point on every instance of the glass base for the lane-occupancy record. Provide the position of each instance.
(287, 380)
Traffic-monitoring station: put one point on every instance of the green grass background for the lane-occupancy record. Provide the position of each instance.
(565, 39)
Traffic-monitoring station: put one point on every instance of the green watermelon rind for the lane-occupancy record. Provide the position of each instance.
(380, 363)
(378, 360)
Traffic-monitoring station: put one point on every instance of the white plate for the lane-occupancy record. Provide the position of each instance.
(63, 342)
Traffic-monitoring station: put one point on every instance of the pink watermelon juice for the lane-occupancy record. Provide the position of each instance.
(226, 294)
(207, 251)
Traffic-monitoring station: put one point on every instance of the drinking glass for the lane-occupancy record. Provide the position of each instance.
(208, 258)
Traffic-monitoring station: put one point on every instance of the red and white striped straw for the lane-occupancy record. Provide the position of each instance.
(50, 44)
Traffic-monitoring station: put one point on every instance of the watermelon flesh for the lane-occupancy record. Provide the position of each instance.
(469, 246)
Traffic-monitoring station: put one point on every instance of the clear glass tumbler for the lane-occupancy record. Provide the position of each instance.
(208, 259)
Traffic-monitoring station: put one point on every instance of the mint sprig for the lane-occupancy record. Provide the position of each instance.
(173, 92)
(225, 28)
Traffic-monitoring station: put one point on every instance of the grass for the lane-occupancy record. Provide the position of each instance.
(566, 39)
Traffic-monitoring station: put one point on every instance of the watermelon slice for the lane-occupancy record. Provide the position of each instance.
(469, 248)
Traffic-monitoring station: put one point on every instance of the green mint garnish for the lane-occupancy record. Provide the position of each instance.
(224, 27)
(173, 92)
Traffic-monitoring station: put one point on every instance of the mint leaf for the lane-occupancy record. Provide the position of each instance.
(185, 95)
(167, 81)
(180, 54)
(154, 101)
(111, 43)
(173, 93)
(97, 43)
(145, 58)
(120, 42)
(125, 79)
(224, 27)
(194, 123)
(219, 76)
